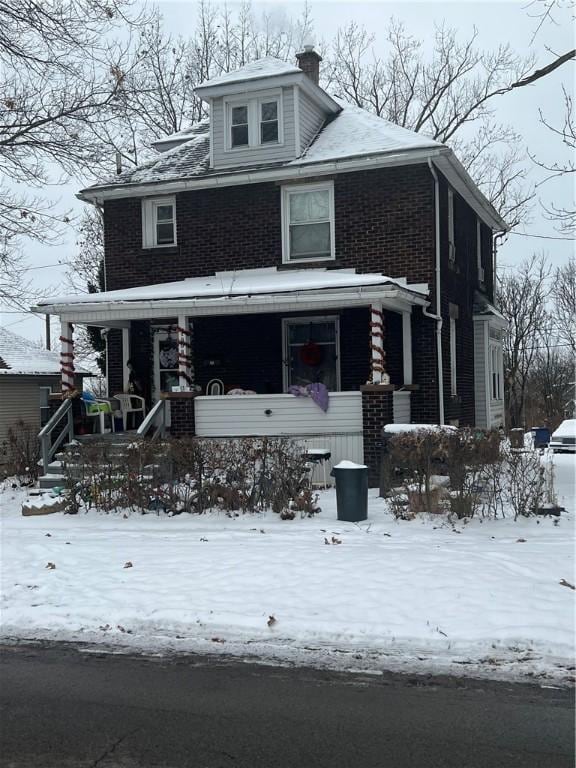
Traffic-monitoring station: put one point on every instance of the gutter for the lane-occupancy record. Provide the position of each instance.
(438, 306)
(364, 294)
(282, 173)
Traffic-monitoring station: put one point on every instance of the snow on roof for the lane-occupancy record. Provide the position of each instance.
(242, 283)
(24, 357)
(265, 67)
(354, 132)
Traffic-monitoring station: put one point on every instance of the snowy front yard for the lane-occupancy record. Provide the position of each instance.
(423, 595)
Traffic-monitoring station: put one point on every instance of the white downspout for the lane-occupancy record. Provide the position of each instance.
(438, 306)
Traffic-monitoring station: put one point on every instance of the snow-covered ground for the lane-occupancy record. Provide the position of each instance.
(484, 598)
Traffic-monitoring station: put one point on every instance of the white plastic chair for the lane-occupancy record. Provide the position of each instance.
(130, 404)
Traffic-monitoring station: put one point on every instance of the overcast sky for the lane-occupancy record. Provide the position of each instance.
(496, 22)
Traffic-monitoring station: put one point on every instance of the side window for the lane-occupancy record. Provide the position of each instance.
(454, 312)
(479, 251)
(158, 222)
(308, 222)
(451, 238)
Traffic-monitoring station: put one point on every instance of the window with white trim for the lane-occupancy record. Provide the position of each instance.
(451, 238)
(311, 351)
(239, 126)
(253, 122)
(453, 379)
(268, 121)
(308, 222)
(496, 359)
(158, 222)
(479, 250)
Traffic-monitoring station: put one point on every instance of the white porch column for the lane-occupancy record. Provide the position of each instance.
(407, 346)
(184, 352)
(378, 365)
(67, 356)
(125, 358)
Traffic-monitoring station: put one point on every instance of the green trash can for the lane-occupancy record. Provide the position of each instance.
(351, 491)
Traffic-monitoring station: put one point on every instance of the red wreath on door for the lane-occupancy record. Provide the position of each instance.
(311, 354)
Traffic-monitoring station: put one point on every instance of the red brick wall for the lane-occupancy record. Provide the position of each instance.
(384, 223)
(377, 410)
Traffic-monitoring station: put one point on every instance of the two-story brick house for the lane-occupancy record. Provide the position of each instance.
(290, 239)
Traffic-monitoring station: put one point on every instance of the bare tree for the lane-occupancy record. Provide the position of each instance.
(86, 275)
(58, 70)
(549, 381)
(564, 304)
(522, 296)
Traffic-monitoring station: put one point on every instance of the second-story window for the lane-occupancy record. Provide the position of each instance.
(239, 126)
(268, 121)
(308, 222)
(158, 222)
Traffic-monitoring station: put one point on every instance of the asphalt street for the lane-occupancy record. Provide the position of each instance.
(62, 707)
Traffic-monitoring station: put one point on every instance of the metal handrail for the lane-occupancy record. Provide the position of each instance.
(49, 448)
(156, 417)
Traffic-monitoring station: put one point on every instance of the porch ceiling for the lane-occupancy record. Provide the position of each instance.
(247, 291)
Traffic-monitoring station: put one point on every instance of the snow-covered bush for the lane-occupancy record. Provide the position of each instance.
(190, 475)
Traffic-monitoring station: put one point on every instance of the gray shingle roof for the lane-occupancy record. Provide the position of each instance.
(353, 132)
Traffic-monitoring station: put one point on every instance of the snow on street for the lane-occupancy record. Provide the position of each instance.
(482, 598)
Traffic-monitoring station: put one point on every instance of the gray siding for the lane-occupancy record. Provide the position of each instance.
(267, 153)
(20, 399)
(311, 119)
(480, 368)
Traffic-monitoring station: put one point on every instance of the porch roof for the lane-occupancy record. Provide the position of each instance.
(250, 290)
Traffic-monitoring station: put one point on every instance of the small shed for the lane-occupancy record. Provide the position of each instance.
(28, 374)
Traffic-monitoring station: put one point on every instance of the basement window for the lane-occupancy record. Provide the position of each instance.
(158, 222)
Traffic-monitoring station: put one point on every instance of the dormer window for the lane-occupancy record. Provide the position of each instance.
(239, 127)
(253, 122)
(268, 121)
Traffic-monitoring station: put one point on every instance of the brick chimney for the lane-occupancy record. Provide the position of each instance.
(309, 62)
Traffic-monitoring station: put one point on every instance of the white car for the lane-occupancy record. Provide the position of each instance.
(564, 438)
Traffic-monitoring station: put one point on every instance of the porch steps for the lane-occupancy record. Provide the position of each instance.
(51, 480)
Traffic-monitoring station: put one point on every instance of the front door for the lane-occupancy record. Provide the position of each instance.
(165, 360)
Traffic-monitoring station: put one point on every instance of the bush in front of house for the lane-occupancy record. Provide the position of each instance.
(21, 452)
(191, 475)
(461, 473)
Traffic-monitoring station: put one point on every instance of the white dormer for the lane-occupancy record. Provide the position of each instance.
(266, 112)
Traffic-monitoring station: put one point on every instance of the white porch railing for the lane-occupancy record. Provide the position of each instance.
(339, 430)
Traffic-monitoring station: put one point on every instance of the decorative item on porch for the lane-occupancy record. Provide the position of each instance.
(311, 354)
(67, 360)
(317, 392)
(185, 355)
(378, 373)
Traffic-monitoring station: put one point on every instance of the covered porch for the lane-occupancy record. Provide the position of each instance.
(221, 356)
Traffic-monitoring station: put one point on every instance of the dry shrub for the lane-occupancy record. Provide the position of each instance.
(415, 459)
(524, 481)
(22, 451)
(190, 475)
